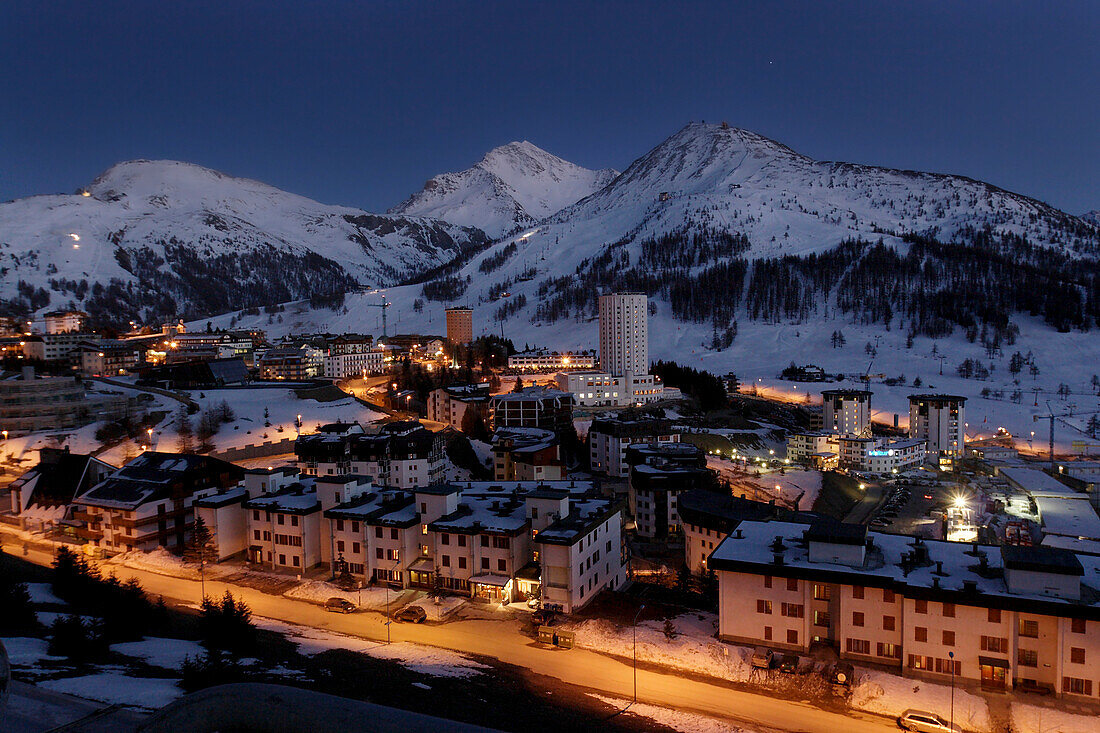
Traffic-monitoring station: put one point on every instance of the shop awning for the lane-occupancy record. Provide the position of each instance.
(498, 580)
(992, 662)
(422, 564)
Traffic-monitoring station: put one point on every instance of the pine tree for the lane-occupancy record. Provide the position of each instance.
(200, 549)
(185, 442)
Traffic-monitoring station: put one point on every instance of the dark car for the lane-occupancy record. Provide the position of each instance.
(789, 663)
(412, 614)
(842, 674)
(340, 605)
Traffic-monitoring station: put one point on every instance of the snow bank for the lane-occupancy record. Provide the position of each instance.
(158, 561)
(166, 653)
(319, 591)
(43, 593)
(148, 693)
(889, 694)
(674, 719)
(24, 651)
(426, 660)
(1035, 719)
(693, 649)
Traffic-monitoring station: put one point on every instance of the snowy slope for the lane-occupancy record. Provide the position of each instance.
(176, 237)
(512, 187)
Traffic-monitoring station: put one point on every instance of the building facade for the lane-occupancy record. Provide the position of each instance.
(940, 421)
(601, 389)
(541, 361)
(532, 407)
(846, 412)
(624, 334)
(460, 325)
(65, 321)
(354, 364)
(448, 405)
(609, 438)
(880, 456)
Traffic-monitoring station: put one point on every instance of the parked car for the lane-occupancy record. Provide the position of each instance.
(762, 658)
(788, 663)
(842, 674)
(925, 722)
(412, 614)
(340, 605)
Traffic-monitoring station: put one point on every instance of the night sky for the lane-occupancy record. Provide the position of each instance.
(359, 103)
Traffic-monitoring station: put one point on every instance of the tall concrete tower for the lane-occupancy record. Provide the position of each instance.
(624, 334)
(460, 325)
(940, 419)
(846, 412)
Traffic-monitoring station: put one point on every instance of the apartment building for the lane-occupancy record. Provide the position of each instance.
(65, 321)
(354, 364)
(624, 334)
(940, 421)
(448, 405)
(659, 473)
(108, 358)
(52, 346)
(460, 325)
(846, 412)
(880, 455)
(222, 511)
(149, 502)
(283, 527)
(814, 448)
(609, 438)
(30, 403)
(601, 389)
(291, 363)
(402, 454)
(41, 497)
(1004, 617)
(527, 454)
(532, 407)
(543, 360)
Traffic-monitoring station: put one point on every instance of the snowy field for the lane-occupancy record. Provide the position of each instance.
(674, 719)
(1035, 719)
(889, 694)
(426, 660)
(147, 693)
(164, 653)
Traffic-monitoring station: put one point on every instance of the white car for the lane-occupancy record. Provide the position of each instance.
(924, 722)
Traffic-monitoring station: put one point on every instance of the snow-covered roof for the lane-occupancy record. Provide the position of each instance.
(1036, 482)
(1068, 516)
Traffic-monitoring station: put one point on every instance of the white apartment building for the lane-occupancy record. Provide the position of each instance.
(940, 421)
(609, 438)
(535, 361)
(354, 364)
(846, 412)
(880, 456)
(624, 334)
(403, 454)
(448, 405)
(601, 389)
(149, 502)
(65, 321)
(52, 346)
(812, 447)
(1003, 617)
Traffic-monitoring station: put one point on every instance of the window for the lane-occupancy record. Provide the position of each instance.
(393, 533)
(256, 534)
(339, 525)
(767, 633)
(484, 540)
(280, 519)
(462, 540)
(282, 559)
(355, 546)
(501, 543)
(920, 606)
(792, 583)
(462, 563)
(378, 552)
(1076, 686)
(920, 633)
(484, 563)
(890, 651)
(945, 666)
(1029, 628)
(994, 644)
(1077, 655)
(394, 555)
(763, 606)
(857, 618)
(821, 618)
(887, 623)
(1077, 626)
(857, 591)
(1027, 657)
(949, 610)
(858, 646)
(887, 596)
(502, 565)
(255, 515)
(792, 636)
(355, 526)
(446, 561)
(339, 545)
(793, 610)
(445, 539)
(994, 615)
(767, 581)
(378, 532)
(296, 560)
(822, 592)
(423, 506)
(949, 638)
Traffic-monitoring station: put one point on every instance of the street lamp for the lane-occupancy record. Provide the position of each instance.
(951, 656)
(640, 609)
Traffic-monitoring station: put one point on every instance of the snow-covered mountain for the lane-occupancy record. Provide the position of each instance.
(155, 239)
(1093, 217)
(512, 187)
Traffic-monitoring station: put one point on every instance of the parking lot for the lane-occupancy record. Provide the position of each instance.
(913, 507)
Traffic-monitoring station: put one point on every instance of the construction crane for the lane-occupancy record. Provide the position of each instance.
(383, 305)
(1051, 416)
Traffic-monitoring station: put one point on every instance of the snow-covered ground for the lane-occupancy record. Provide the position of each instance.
(890, 694)
(426, 660)
(676, 719)
(319, 591)
(43, 593)
(166, 653)
(148, 693)
(694, 648)
(1036, 719)
(26, 651)
(439, 609)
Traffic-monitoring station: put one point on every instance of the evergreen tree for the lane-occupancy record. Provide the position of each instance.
(185, 442)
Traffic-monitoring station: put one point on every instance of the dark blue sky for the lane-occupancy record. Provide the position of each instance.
(360, 102)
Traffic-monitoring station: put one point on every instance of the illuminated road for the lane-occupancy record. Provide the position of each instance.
(504, 640)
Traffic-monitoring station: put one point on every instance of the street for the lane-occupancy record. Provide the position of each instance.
(503, 640)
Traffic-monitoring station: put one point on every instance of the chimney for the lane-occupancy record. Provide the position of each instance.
(737, 534)
(970, 586)
(777, 558)
(939, 567)
(936, 583)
